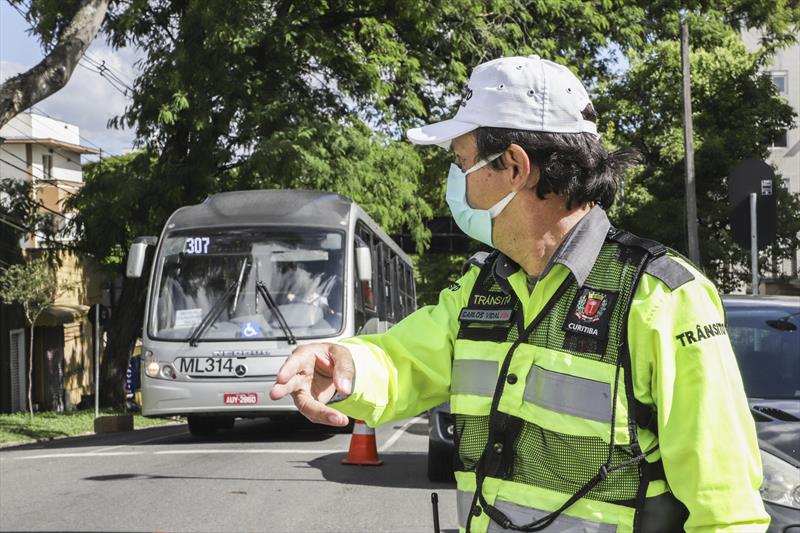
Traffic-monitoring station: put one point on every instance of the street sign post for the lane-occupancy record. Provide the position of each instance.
(96, 346)
(753, 210)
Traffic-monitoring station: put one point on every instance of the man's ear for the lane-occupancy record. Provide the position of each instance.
(517, 160)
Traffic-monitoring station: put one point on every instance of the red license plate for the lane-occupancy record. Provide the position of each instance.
(241, 398)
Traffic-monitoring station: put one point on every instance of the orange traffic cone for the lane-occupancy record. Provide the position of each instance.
(363, 448)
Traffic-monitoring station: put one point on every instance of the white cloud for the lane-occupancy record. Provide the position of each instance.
(89, 100)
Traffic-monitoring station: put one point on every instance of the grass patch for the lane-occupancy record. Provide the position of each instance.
(44, 426)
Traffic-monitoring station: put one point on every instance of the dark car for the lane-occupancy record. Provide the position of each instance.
(765, 337)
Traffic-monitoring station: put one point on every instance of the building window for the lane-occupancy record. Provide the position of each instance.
(782, 141)
(47, 166)
(779, 79)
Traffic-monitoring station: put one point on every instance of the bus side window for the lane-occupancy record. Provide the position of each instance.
(364, 293)
(389, 294)
(400, 284)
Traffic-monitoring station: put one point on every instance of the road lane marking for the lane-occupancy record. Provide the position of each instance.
(82, 454)
(166, 452)
(196, 452)
(399, 433)
(105, 452)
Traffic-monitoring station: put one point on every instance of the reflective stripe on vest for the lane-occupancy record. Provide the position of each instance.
(474, 376)
(520, 514)
(463, 504)
(572, 395)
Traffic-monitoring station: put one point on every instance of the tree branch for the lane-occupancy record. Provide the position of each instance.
(54, 71)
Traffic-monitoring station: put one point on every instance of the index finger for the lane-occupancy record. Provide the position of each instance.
(301, 359)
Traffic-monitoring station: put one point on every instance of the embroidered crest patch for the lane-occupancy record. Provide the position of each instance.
(591, 306)
(590, 313)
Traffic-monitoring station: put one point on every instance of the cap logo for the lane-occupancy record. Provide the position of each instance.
(467, 96)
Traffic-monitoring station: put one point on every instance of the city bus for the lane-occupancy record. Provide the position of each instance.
(238, 281)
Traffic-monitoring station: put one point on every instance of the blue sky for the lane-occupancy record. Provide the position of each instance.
(88, 100)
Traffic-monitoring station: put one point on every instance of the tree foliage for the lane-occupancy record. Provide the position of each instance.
(737, 114)
(317, 94)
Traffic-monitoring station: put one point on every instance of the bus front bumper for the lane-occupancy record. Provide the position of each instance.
(235, 398)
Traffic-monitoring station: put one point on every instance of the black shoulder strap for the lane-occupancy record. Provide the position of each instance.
(654, 248)
(644, 415)
(479, 259)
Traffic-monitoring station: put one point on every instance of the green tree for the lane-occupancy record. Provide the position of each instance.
(737, 114)
(284, 93)
(33, 286)
(119, 201)
(23, 216)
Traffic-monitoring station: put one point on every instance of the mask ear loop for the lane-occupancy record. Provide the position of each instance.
(497, 208)
(482, 163)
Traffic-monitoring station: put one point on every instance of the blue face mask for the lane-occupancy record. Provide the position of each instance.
(477, 223)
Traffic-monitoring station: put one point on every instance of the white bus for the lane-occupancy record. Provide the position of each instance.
(238, 280)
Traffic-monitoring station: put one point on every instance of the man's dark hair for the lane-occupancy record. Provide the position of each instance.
(574, 165)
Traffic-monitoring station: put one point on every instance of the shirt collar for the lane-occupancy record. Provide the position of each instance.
(578, 251)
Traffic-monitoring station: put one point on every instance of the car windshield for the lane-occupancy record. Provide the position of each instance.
(767, 346)
(302, 270)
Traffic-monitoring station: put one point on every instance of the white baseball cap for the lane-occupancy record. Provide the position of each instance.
(523, 93)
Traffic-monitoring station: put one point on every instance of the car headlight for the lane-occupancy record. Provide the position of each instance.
(781, 481)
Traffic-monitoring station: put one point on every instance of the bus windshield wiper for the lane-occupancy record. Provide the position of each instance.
(264, 292)
(212, 314)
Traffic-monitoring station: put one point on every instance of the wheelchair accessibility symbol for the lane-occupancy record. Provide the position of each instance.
(250, 329)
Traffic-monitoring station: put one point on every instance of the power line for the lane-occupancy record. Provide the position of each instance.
(68, 191)
(56, 150)
(101, 64)
(38, 203)
(41, 236)
(117, 84)
(45, 113)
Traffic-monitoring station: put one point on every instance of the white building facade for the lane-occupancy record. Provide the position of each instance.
(784, 69)
(46, 152)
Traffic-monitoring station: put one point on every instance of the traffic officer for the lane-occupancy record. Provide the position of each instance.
(589, 371)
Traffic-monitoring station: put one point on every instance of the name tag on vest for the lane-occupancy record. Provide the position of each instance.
(486, 315)
(590, 313)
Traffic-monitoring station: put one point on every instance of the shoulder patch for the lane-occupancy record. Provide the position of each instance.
(669, 271)
(478, 259)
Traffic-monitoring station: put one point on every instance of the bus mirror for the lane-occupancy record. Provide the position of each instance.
(137, 256)
(364, 263)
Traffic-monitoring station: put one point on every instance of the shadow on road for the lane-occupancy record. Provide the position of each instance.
(418, 428)
(404, 470)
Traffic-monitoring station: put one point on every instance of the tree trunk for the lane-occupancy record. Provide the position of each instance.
(30, 373)
(125, 326)
(54, 71)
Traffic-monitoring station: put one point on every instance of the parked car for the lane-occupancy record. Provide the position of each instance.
(765, 337)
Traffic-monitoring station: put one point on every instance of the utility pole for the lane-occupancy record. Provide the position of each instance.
(691, 196)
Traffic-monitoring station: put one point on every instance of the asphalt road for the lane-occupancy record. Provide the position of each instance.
(259, 476)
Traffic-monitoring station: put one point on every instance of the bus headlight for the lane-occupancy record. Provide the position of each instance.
(151, 368)
(781, 481)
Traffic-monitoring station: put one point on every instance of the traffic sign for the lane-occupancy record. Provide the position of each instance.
(752, 176)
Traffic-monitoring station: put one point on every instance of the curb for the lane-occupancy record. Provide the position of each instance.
(15, 443)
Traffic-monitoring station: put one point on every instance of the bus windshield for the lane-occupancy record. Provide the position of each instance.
(302, 269)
